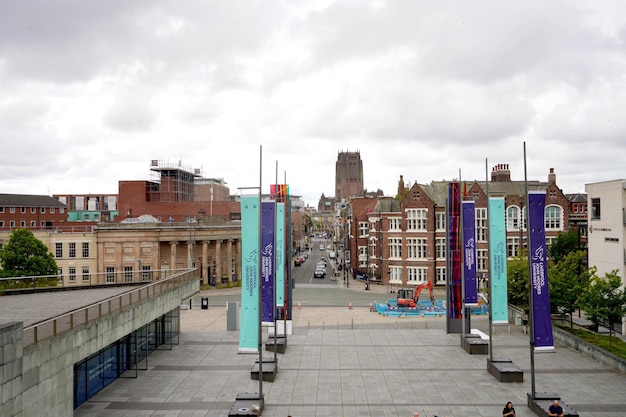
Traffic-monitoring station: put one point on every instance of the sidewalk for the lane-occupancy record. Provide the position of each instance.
(352, 362)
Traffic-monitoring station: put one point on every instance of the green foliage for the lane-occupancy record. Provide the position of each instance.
(563, 244)
(517, 281)
(613, 345)
(605, 300)
(25, 255)
(569, 281)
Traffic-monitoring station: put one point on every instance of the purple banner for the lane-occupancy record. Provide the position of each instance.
(542, 322)
(469, 254)
(268, 221)
(455, 308)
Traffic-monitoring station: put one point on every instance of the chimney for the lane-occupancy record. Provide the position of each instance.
(401, 188)
(552, 176)
(501, 173)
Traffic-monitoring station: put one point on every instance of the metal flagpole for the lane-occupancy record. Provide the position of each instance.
(489, 264)
(275, 312)
(259, 278)
(462, 238)
(530, 294)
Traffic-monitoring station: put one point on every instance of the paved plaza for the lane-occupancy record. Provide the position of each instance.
(353, 362)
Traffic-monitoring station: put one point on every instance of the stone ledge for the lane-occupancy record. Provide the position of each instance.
(474, 344)
(504, 370)
(542, 401)
(280, 346)
(247, 404)
(270, 369)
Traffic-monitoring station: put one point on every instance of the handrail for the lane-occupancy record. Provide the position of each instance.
(51, 327)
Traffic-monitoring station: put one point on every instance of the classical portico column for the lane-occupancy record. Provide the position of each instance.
(229, 255)
(238, 261)
(205, 261)
(218, 261)
(173, 256)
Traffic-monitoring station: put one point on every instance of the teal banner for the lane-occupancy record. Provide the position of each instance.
(497, 261)
(249, 318)
(280, 254)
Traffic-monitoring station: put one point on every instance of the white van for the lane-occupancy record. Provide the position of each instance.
(332, 255)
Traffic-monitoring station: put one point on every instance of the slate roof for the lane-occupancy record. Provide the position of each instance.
(28, 200)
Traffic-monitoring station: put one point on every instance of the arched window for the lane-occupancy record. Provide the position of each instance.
(512, 218)
(554, 218)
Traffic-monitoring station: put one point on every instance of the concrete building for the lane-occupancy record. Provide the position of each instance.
(89, 207)
(606, 205)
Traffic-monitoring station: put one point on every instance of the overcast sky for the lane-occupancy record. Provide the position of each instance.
(92, 91)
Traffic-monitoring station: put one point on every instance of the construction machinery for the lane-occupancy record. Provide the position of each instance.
(407, 297)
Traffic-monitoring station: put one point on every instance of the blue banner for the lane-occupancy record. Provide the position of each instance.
(542, 321)
(497, 262)
(469, 254)
(268, 220)
(249, 319)
(280, 254)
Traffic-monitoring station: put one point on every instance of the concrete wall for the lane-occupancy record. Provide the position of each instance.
(11, 369)
(46, 372)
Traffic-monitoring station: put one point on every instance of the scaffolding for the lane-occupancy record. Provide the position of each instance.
(174, 181)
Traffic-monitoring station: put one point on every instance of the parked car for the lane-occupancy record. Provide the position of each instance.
(299, 260)
(321, 247)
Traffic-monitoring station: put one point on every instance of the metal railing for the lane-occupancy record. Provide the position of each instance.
(46, 329)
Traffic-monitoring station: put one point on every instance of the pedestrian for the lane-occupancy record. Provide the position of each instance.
(416, 414)
(508, 410)
(555, 410)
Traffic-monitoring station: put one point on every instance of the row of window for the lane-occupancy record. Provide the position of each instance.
(72, 274)
(33, 210)
(127, 275)
(514, 217)
(416, 275)
(58, 250)
(23, 223)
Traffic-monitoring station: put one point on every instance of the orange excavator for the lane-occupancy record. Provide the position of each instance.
(407, 297)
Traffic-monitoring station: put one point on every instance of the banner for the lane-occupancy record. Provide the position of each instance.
(249, 319)
(279, 192)
(280, 254)
(455, 308)
(268, 220)
(497, 262)
(469, 254)
(542, 322)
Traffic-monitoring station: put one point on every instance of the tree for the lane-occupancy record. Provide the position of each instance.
(563, 244)
(517, 281)
(605, 300)
(25, 255)
(569, 282)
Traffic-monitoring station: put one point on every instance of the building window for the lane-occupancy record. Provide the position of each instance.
(441, 275)
(363, 229)
(58, 250)
(441, 221)
(22, 223)
(553, 218)
(363, 256)
(552, 194)
(1, 223)
(43, 223)
(51, 210)
(481, 260)
(2, 209)
(146, 273)
(512, 247)
(128, 274)
(417, 275)
(395, 274)
(11, 209)
(110, 274)
(43, 210)
(22, 210)
(86, 274)
(61, 210)
(33, 223)
(595, 209)
(440, 247)
(395, 247)
(416, 248)
(72, 251)
(12, 223)
(72, 273)
(33, 210)
(395, 224)
(60, 272)
(416, 195)
(512, 218)
(416, 219)
(481, 224)
(85, 249)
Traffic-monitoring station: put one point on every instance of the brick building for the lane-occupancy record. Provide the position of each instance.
(403, 240)
(34, 212)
